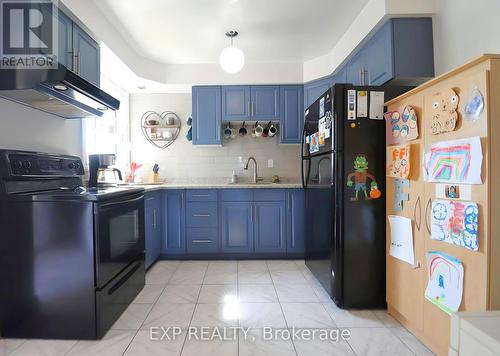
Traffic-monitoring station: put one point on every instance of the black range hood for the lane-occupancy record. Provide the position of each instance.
(56, 91)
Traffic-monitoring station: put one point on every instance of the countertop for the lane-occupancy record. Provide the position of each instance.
(216, 184)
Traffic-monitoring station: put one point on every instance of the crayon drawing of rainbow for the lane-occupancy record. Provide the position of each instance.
(457, 161)
(450, 163)
(445, 286)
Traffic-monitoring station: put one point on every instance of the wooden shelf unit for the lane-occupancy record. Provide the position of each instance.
(405, 284)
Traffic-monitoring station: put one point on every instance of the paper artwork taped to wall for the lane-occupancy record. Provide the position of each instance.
(457, 161)
(398, 161)
(446, 281)
(400, 195)
(444, 111)
(401, 125)
(455, 222)
(474, 105)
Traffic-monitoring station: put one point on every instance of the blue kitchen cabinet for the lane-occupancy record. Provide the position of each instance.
(87, 56)
(340, 77)
(292, 113)
(265, 102)
(236, 102)
(65, 40)
(207, 119)
(356, 69)
(270, 226)
(174, 227)
(237, 226)
(378, 59)
(153, 231)
(295, 225)
(313, 90)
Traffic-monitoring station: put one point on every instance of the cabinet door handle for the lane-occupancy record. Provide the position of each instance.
(248, 107)
(201, 215)
(154, 218)
(361, 76)
(426, 215)
(201, 241)
(200, 195)
(182, 200)
(419, 223)
(77, 63)
(251, 214)
(289, 200)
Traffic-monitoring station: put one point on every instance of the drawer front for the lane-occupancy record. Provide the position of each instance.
(202, 240)
(237, 194)
(269, 194)
(201, 195)
(201, 214)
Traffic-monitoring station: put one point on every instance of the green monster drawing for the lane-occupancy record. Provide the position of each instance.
(360, 176)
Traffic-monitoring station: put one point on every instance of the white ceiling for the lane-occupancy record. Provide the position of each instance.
(192, 31)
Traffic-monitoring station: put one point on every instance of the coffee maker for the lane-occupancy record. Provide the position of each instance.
(101, 171)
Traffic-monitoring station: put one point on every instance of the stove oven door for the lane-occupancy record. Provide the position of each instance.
(119, 235)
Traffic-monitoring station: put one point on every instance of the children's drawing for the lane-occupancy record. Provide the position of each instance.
(457, 161)
(399, 193)
(401, 125)
(455, 222)
(446, 279)
(401, 239)
(474, 105)
(314, 143)
(359, 179)
(444, 114)
(398, 161)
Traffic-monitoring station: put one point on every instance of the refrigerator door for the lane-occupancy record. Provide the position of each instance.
(319, 223)
(361, 232)
(318, 125)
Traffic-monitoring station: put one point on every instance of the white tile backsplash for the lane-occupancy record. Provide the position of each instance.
(183, 160)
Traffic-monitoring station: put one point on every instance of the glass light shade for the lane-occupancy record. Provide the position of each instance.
(232, 59)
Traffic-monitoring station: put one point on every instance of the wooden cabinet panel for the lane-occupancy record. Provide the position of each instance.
(270, 226)
(207, 117)
(88, 56)
(174, 241)
(265, 102)
(236, 102)
(237, 226)
(292, 113)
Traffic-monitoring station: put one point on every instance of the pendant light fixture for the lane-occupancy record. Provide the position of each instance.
(231, 58)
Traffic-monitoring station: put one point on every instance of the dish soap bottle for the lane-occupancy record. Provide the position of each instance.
(234, 178)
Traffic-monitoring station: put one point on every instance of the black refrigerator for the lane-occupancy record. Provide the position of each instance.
(343, 174)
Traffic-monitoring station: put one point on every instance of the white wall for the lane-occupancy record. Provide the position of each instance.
(29, 129)
(183, 160)
(463, 30)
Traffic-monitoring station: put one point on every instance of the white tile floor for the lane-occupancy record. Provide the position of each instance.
(252, 294)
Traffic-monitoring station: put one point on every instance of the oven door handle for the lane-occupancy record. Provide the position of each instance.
(121, 202)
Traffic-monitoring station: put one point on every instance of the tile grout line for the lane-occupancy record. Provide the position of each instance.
(194, 310)
(281, 308)
(152, 307)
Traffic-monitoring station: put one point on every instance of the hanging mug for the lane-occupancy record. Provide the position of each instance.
(273, 130)
(243, 130)
(228, 131)
(265, 133)
(258, 130)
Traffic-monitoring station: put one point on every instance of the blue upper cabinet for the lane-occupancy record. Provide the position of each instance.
(292, 113)
(313, 90)
(378, 57)
(87, 56)
(174, 237)
(355, 68)
(206, 113)
(270, 226)
(295, 225)
(340, 76)
(236, 102)
(265, 102)
(65, 40)
(237, 226)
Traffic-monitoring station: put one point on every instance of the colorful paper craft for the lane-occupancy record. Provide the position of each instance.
(455, 222)
(399, 194)
(401, 125)
(474, 106)
(444, 114)
(398, 161)
(457, 161)
(401, 239)
(446, 280)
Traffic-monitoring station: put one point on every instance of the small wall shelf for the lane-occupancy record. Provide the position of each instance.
(161, 130)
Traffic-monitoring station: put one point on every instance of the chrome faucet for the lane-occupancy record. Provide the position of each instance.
(256, 178)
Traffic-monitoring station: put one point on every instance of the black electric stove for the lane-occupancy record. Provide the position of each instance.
(72, 259)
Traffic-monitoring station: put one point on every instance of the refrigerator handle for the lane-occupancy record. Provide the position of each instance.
(304, 158)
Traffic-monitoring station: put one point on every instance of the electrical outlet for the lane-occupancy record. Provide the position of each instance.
(270, 163)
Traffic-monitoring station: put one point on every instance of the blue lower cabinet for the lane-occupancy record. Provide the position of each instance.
(153, 231)
(237, 227)
(295, 225)
(200, 214)
(174, 234)
(270, 226)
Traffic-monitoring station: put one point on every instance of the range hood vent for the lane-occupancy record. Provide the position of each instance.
(56, 91)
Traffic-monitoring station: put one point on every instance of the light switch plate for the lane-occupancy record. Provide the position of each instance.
(270, 163)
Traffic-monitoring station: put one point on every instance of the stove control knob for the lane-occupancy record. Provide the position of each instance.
(17, 164)
(27, 164)
(77, 165)
(71, 165)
